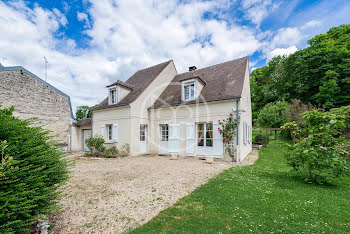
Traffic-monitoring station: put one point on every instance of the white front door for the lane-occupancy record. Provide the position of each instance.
(204, 139)
(143, 139)
(86, 135)
(164, 139)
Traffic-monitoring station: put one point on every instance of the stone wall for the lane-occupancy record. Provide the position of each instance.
(33, 98)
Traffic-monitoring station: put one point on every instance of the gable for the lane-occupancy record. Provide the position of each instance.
(220, 82)
(138, 82)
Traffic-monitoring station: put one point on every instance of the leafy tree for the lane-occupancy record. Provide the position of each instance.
(31, 171)
(273, 115)
(267, 84)
(318, 74)
(320, 155)
(329, 90)
(83, 112)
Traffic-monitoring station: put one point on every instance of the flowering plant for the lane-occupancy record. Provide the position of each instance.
(228, 127)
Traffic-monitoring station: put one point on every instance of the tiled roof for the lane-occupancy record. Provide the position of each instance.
(222, 81)
(86, 121)
(139, 82)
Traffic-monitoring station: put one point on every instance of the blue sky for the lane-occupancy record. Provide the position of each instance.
(91, 43)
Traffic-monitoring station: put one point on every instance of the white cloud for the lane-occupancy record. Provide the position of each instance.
(122, 41)
(257, 10)
(84, 18)
(312, 24)
(281, 51)
(286, 37)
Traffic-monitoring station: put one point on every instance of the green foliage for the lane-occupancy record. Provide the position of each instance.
(111, 152)
(344, 111)
(31, 171)
(261, 139)
(228, 128)
(273, 115)
(96, 144)
(83, 112)
(267, 84)
(318, 157)
(318, 74)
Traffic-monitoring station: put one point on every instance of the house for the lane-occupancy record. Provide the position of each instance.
(33, 97)
(158, 111)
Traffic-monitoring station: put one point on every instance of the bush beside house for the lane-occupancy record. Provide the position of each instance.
(97, 146)
(31, 171)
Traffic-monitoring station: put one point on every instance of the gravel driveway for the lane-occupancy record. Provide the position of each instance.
(114, 195)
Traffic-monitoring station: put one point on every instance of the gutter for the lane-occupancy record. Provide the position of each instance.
(237, 131)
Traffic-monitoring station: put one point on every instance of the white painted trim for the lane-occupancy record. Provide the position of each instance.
(185, 83)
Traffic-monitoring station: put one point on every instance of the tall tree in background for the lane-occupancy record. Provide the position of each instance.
(83, 112)
(326, 64)
(318, 74)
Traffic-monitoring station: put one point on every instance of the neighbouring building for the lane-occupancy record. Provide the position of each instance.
(157, 111)
(33, 97)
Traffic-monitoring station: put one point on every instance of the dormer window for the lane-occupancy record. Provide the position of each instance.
(189, 90)
(113, 95)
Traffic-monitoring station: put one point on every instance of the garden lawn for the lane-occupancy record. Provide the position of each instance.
(265, 197)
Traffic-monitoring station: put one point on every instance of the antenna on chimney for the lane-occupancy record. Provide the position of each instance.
(46, 62)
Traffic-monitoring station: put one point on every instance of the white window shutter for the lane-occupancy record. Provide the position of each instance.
(218, 145)
(244, 133)
(190, 139)
(115, 132)
(174, 138)
(102, 132)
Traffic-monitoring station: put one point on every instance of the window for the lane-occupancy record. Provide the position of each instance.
(112, 96)
(164, 132)
(188, 91)
(109, 132)
(205, 134)
(142, 132)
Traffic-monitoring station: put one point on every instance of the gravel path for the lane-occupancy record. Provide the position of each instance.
(115, 195)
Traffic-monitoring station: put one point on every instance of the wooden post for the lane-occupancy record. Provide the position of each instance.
(275, 134)
(267, 135)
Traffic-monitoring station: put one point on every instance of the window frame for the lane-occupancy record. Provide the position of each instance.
(143, 132)
(109, 132)
(165, 131)
(191, 92)
(204, 135)
(115, 90)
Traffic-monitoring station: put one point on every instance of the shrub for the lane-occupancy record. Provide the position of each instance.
(261, 139)
(124, 150)
(30, 173)
(273, 115)
(344, 111)
(112, 152)
(319, 157)
(96, 144)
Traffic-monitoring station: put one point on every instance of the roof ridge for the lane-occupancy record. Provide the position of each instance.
(212, 65)
(154, 65)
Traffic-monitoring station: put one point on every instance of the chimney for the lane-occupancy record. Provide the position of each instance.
(192, 68)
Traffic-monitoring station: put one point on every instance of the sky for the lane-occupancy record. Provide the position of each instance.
(92, 43)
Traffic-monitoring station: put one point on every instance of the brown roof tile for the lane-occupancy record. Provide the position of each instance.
(86, 121)
(222, 81)
(138, 82)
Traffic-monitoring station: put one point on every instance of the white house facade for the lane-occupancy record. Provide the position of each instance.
(158, 111)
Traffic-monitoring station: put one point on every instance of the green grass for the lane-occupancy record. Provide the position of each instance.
(262, 198)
